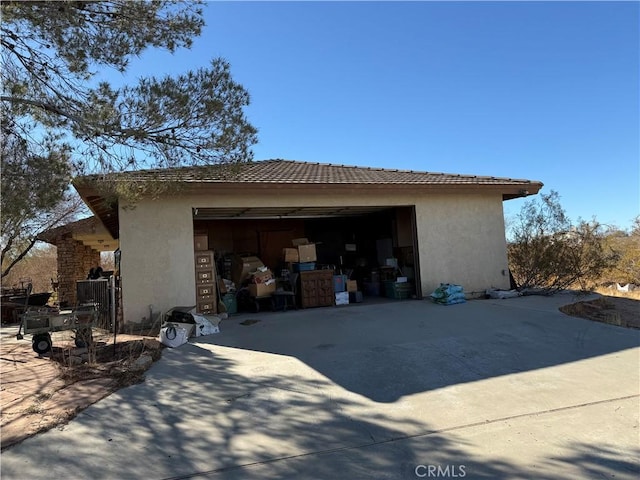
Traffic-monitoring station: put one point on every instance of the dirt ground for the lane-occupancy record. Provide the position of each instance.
(38, 393)
(624, 312)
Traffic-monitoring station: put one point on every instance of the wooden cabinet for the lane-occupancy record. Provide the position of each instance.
(206, 298)
(316, 288)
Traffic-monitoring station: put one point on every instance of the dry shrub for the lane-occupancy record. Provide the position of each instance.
(613, 292)
(107, 360)
(549, 253)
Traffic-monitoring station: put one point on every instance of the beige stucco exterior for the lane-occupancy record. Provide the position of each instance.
(460, 240)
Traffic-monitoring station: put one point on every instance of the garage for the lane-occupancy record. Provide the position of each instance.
(371, 225)
(366, 248)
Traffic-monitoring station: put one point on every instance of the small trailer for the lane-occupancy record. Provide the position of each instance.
(40, 322)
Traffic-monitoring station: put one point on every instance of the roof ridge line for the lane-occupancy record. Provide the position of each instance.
(382, 169)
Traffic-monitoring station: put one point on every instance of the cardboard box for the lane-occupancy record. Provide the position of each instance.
(243, 267)
(262, 277)
(306, 250)
(200, 242)
(352, 286)
(290, 255)
(262, 289)
(307, 253)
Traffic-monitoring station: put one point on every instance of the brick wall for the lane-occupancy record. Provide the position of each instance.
(74, 262)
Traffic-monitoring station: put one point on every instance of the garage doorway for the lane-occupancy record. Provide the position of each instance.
(355, 241)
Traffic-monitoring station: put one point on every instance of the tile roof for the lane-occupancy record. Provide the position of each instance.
(296, 175)
(84, 225)
(296, 172)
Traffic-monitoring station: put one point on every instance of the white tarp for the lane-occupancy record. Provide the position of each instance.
(491, 293)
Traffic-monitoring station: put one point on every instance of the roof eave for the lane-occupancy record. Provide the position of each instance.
(107, 211)
(104, 209)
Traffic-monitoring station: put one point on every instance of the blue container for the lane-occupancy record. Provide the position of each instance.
(339, 283)
(304, 267)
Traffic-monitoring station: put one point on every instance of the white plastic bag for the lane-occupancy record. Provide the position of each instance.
(502, 294)
(204, 326)
(173, 336)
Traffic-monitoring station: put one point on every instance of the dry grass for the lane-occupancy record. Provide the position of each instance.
(613, 307)
(613, 292)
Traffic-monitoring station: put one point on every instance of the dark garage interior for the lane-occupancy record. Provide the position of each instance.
(369, 252)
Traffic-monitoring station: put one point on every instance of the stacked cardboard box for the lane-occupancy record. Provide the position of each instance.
(355, 296)
(302, 256)
(306, 250)
(243, 267)
(262, 283)
(290, 255)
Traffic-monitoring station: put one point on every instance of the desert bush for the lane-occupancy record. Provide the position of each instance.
(549, 253)
(627, 245)
(39, 266)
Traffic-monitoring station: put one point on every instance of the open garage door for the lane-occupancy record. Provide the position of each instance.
(361, 242)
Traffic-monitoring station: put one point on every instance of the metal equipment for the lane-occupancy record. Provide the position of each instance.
(41, 322)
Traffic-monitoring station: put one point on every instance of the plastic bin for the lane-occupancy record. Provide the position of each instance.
(304, 267)
(339, 283)
(230, 302)
(398, 291)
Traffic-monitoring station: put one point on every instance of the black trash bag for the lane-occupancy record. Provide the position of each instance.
(181, 315)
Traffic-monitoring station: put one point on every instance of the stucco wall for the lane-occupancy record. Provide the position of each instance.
(461, 239)
(157, 263)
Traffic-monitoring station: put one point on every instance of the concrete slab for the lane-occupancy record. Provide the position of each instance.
(504, 388)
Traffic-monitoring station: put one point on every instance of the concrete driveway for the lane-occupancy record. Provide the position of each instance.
(488, 389)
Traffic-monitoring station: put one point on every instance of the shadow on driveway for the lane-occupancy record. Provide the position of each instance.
(377, 401)
(417, 346)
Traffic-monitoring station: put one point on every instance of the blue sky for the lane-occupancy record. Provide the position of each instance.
(546, 91)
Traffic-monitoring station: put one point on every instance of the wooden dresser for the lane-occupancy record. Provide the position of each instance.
(206, 297)
(316, 288)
